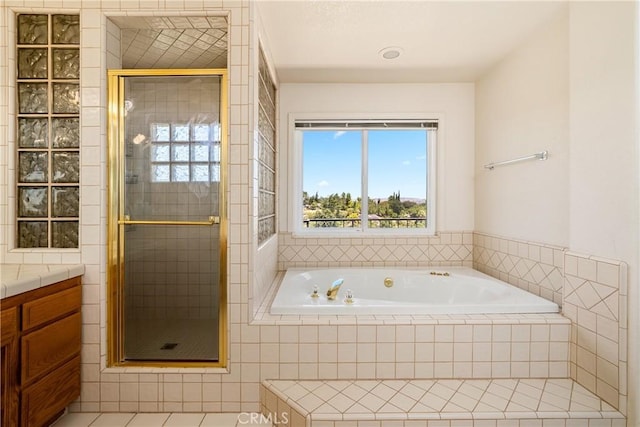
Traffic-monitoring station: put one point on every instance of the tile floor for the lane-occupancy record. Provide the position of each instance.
(439, 399)
(338, 401)
(160, 420)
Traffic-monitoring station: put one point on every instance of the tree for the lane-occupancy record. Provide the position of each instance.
(394, 204)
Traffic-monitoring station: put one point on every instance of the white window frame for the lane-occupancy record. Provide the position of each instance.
(295, 179)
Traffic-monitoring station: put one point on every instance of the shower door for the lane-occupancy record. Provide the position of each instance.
(167, 269)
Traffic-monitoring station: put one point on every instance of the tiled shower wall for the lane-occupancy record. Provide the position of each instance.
(445, 249)
(592, 293)
(171, 271)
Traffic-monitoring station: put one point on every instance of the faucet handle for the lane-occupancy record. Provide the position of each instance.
(349, 298)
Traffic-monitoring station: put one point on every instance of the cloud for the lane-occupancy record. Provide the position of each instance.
(323, 183)
(406, 163)
(423, 157)
(338, 134)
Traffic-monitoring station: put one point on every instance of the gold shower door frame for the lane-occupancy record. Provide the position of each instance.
(116, 220)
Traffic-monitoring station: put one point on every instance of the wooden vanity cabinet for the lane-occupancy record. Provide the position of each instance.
(41, 363)
(9, 360)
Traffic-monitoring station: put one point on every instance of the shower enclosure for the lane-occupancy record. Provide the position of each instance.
(167, 240)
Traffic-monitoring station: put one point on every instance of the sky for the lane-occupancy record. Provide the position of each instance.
(397, 162)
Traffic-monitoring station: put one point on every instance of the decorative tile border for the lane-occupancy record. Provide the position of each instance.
(445, 249)
(595, 299)
(534, 267)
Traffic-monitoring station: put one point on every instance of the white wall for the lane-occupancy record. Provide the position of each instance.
(604, 194)
(522, 108)
(571, 89)
(454, 103)
(603, 167)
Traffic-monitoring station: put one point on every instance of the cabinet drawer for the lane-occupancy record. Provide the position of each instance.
(46, 348)
(44, 399)
(51, 307)
(8, 324)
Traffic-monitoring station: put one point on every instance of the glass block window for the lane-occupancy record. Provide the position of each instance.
(183, 152)
(48, 130)
(266, 153)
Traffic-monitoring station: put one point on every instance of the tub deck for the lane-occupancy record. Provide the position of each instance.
(442, 402)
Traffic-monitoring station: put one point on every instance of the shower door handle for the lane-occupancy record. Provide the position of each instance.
(213, 220)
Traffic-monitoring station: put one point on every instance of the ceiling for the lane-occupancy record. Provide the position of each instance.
(439, 41)
(173, 41)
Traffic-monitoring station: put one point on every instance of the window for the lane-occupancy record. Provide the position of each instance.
(185, 153)
(371, 177)
(48, 131)
(266, 152)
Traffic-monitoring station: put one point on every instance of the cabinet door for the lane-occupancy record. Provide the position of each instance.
(9, 401)
(45, 309)
(45, 349)
(44, 401)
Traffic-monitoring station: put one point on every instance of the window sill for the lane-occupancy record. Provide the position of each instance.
(355, 234)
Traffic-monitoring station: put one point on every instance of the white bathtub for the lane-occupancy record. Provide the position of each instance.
(414, 291)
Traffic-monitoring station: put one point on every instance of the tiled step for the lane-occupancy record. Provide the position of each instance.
(555, 402)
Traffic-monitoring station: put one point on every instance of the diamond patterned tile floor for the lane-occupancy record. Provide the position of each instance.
(330, 402)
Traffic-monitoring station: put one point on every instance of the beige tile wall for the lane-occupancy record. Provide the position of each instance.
(266, 271)
(593, 294)
(534, 267)
(525, 346)
(445, 249)
(595, 299)
(7, 193)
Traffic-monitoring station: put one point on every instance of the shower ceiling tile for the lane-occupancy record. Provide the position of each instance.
(134, 22)
(199, 46)
(213, 36)
(173, 41)
(158, 22)
(179, 44)
(199, 21)
(217, 21)
(180, 22)
(165, 38)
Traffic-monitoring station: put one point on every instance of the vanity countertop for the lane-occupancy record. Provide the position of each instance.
(18, 278)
